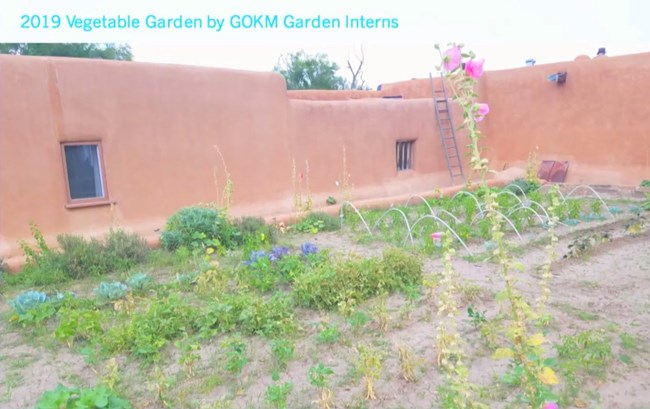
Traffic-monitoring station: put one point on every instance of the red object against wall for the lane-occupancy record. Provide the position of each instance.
(553, 171)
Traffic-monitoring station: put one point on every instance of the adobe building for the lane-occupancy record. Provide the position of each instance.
(88, 144)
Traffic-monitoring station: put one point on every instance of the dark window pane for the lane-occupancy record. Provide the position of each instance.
(84, 171)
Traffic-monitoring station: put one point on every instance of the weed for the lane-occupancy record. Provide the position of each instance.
(407, 362)
(329, 334)
(370, 365)
(628, 342)
(477, 318)
(380, 312)
(357, 320)
(189, 355)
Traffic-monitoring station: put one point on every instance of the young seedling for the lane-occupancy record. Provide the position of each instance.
(282, 351)
(382, 317)
(235, 351)
(370, 365)
(276, 395)
(407, 362)
(318, 377)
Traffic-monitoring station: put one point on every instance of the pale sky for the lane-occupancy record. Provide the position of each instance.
(504, 32)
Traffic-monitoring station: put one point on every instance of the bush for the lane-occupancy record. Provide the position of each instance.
(191, 226)
(82, 398)
(82, 258)
(518, 185)
(78, 257)
(345, 283)
(249, 314)
(318, 221)
(403, 269)
(125, 249)
(254, 230)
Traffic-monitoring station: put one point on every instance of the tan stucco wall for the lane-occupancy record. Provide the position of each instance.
(159, 123)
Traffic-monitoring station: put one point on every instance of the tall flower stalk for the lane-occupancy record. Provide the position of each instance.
(525, 351)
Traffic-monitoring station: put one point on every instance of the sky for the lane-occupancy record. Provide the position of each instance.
(504, 32)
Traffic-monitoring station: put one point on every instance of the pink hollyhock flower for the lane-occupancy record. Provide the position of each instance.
(551, 405)
(480, 110)
(451, 59)
(474, 68)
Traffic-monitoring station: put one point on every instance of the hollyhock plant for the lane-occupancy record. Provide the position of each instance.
(551, 405)
(451, 59)
(474, 68)
(480, 110)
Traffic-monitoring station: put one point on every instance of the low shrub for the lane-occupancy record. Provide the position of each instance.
(63, 397)
(125, 249)
(78, 257)
(249, 314)
(344, 283)
(403, 269)
(254, 231)
(518, 185)
(194, 225)
(318, 221)
(82, 258)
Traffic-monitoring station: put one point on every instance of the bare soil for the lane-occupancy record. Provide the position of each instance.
(606, 289)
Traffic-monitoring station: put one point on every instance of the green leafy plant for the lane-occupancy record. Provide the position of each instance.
(192, 226)
(98, 397)
(140, 282)
(318, 377)
(369, 363)
(125, 249)
(276, 395)
(282, 351)
(113, 291)
(318, 221)
(235, 354)
(329, 334)
(476, 317)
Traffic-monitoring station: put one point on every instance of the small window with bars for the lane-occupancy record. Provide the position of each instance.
(404, 152)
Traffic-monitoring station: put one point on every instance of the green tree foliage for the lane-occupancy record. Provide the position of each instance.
(305, 71)
(78, 50)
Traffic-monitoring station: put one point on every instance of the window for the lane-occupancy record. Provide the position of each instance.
(84, 173)
(404, 151)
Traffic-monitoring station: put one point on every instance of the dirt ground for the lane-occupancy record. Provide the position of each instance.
(606, 289)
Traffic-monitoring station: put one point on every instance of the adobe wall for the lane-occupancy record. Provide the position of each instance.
(597, 120)
(158, 125)
(319, 131)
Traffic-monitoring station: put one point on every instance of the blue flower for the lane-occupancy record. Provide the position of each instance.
(309, 248)
(278, 252)
(255, 255)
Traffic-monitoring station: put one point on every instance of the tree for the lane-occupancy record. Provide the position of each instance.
(105, 51)
(356, 72)
(304, 71)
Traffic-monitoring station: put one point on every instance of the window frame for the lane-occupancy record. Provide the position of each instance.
(410, 158)
(85, 202)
